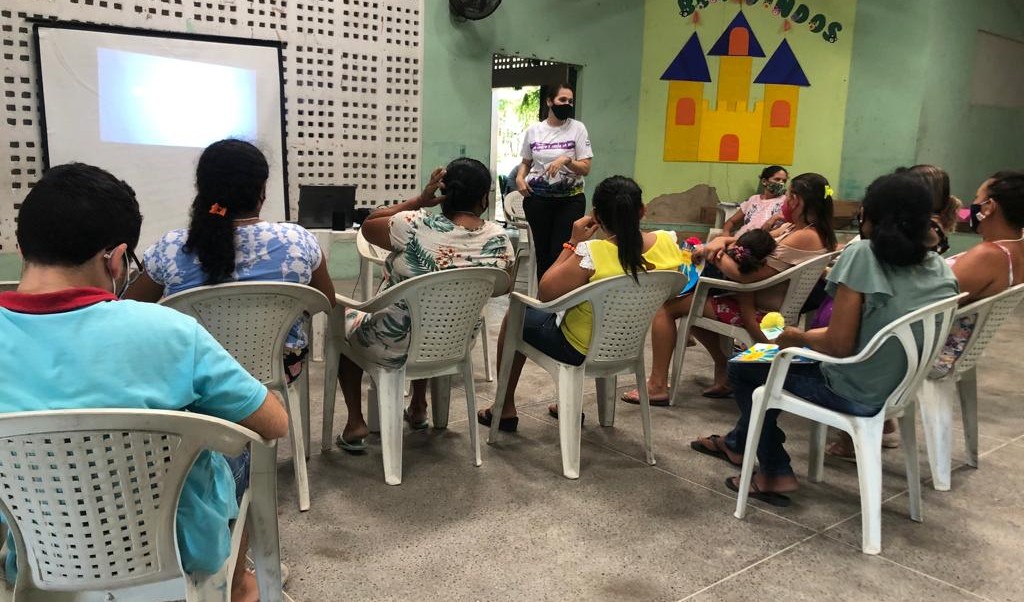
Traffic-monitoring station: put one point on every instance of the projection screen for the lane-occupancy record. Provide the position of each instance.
(143, 105)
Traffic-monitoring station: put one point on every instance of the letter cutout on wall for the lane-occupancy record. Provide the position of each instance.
(732, 130)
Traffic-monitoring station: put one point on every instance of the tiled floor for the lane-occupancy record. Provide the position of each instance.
(515, 529)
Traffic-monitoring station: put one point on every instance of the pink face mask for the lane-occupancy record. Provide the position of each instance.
(787, 212)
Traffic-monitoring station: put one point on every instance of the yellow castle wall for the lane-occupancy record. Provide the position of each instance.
(728, 118)
(681, 140)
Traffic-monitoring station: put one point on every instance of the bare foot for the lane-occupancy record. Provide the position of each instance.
(417, 412)
(245, 589)
(355, 432)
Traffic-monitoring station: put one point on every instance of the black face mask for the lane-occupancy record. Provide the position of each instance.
(563, 112)
(976, 216)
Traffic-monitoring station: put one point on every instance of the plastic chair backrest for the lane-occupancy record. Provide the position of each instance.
(368, 250)
(989, 314)
(623, 311)
(251, 319)
(91, 496)
(802, 278)
(444, 308)
(513, 205)
(932, 323)
(8, 285)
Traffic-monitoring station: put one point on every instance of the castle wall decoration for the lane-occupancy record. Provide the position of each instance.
(731, 131)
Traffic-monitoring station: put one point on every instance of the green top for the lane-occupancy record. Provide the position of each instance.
(890, 292)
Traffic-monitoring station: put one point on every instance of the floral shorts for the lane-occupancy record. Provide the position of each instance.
(954, 346)
(727, 310)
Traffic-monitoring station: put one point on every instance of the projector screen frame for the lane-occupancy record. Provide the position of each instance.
(160, 33)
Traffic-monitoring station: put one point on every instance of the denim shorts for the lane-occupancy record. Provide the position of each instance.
(240, 471)
(541, 332)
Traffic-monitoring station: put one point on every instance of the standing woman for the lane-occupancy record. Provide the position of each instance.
(556, 157)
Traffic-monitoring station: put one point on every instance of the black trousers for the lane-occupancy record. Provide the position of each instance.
(551, 219)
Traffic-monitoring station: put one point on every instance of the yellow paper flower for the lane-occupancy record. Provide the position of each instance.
(829, 192)
(752, 356)
(773, 319)
(686, 256)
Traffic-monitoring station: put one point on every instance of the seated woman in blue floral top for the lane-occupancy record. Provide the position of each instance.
(226, 241)
(420, 242)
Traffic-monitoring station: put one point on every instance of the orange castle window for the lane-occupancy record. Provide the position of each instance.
(686, 112)
(729, 148)
(780, 114)
(739, 42)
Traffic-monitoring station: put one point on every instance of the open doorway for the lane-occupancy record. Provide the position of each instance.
(518, 85)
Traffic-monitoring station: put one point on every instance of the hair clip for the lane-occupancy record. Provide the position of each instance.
(829, 192)
(739, 252)
(216, 209)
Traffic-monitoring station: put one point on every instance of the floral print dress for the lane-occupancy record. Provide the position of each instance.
(422, 243)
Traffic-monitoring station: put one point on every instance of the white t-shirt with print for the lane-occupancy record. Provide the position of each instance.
(543, 144)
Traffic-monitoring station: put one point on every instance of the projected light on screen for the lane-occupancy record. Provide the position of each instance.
(145, 99)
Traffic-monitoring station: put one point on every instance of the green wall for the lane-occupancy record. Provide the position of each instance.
(822, 105)
(910, 90)
(604, 36)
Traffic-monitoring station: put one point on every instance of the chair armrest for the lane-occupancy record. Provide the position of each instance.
(729, 285)
(565, 302)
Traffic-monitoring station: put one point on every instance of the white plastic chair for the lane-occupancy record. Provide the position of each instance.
(938, 395)
(371, 255)
(251, 320)
(932, 322)
(517, 217)
(444, 309)
(801, 279)
(91, 497)
(8, 285)
(623, 311)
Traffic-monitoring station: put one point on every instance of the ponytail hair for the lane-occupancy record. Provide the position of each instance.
(1006, 188)
(466, 182)
(898, 207)
(618, 202)
(230, 180)
(751, 250)
(818, 208)
(936, 180)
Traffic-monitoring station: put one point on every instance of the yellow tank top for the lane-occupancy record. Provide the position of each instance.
(664, 254)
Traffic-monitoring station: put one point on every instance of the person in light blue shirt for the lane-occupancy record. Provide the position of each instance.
(68, 342)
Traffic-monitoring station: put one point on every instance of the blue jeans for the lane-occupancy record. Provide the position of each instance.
(541, 332)
(803, 380)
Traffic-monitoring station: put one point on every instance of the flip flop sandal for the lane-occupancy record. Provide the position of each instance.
(716, 394)
(699, 447)
(353, 447)
(633, 397)
(846, 456)
(768, 497)
(505, 425)
(250, 567)
(416, 426)
(553, 412)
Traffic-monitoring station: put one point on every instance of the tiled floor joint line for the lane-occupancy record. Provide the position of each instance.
(911, 569)
(747, 568)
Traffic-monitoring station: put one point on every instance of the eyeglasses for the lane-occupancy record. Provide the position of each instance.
(134, 268)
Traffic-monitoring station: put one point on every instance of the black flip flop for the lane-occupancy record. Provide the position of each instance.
(699, 447)
(506, 425)
(716, 395)
(553, 412)
(768, 497)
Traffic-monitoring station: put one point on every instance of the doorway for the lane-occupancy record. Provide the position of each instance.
(518, 85)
